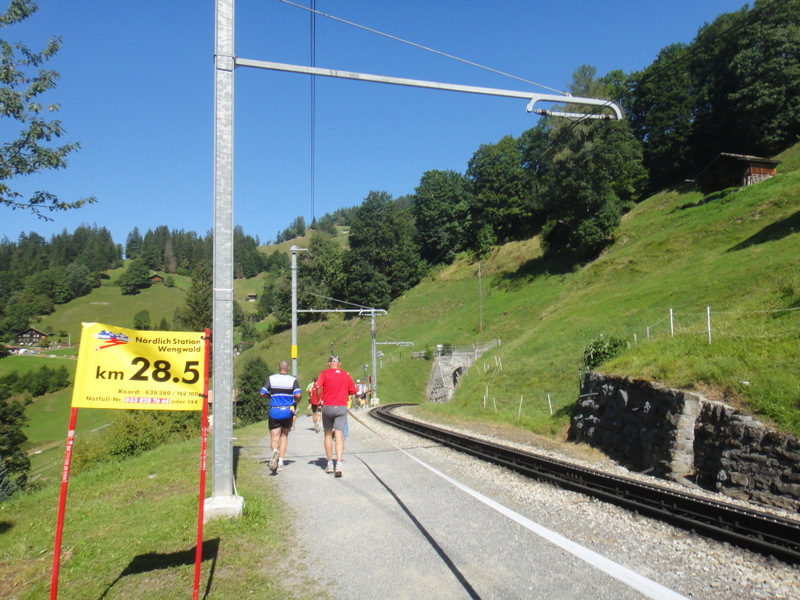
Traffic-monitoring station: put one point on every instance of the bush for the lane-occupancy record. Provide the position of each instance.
(251, 406)
(133, 432)
(602, 349)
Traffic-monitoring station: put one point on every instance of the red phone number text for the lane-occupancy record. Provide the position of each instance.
(147, 400)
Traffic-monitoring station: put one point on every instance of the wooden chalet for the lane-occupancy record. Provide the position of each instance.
(30, 337)
(735, 170)
(156, 278)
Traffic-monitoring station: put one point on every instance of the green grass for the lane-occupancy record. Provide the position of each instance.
(737, 253)
(107, 304)
(130, 532)
(48, 416)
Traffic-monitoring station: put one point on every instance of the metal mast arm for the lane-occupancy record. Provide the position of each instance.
(451, 87)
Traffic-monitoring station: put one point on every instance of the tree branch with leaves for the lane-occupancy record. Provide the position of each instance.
(22, 84)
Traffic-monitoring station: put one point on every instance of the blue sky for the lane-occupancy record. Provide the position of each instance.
(137, 85)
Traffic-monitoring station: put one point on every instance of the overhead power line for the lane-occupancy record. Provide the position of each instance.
(421, 47)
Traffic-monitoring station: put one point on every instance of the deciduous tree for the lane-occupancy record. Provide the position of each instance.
(22, 84)
(441, 212)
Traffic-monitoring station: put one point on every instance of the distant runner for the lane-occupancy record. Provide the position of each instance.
(313, 403)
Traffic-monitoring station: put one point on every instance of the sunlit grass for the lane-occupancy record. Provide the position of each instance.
(130, 532)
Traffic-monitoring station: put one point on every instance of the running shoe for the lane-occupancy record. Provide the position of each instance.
(329, 468)
(280, 466)
(338, 472)
(273, 462)
(316, 427)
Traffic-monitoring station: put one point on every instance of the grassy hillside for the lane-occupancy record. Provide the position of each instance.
(303, 241)
(737, 252)
(130, 532)
(107, 304)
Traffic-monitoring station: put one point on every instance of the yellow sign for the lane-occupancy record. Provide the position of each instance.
(131, 369)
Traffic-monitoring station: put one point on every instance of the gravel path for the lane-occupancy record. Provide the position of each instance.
(392, 528)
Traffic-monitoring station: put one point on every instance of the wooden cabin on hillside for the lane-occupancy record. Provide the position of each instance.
(30, 337)
(735, 170)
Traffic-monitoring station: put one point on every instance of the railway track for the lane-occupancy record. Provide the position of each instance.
(752, 529)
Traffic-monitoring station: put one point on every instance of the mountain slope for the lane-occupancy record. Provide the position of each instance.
(736, 252)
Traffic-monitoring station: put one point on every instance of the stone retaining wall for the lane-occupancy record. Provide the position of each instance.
(682, 436)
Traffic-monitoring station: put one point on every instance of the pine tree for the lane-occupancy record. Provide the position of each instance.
(196, 312)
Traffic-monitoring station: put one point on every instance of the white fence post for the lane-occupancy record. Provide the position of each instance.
(671, 324)
(708, 321)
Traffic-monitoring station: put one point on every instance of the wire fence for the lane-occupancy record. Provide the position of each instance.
(755, 324)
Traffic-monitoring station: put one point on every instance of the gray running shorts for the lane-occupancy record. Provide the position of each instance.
(334, 417)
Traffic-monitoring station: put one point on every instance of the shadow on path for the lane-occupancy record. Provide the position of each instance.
(446, 559)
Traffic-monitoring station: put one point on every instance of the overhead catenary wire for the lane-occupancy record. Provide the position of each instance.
(426, 48)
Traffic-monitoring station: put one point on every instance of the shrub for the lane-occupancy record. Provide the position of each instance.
(133, 432)
(602, 349)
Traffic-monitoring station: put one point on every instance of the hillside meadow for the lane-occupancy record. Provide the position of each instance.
(679, 260)
(734, 256)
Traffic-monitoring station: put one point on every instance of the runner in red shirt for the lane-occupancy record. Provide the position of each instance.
(334, 387)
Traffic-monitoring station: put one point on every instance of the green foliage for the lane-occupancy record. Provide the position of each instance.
(21, 84)
(734, 88)
(441, 210)
(500, 197)
(135, 278)
(36, 382)
(592, 171)
(251, 406)
(382, 245)
(141, 320)
(196, 312)
(296, 229)
(12, 439)
(320, 275)
(7, 485)
(134, 432)
(37, 275)
(601, 349)
(658, 103)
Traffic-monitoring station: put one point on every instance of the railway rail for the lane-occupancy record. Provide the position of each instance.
(748, 528)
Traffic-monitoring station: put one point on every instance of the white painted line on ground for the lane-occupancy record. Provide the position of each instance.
(646, 586)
